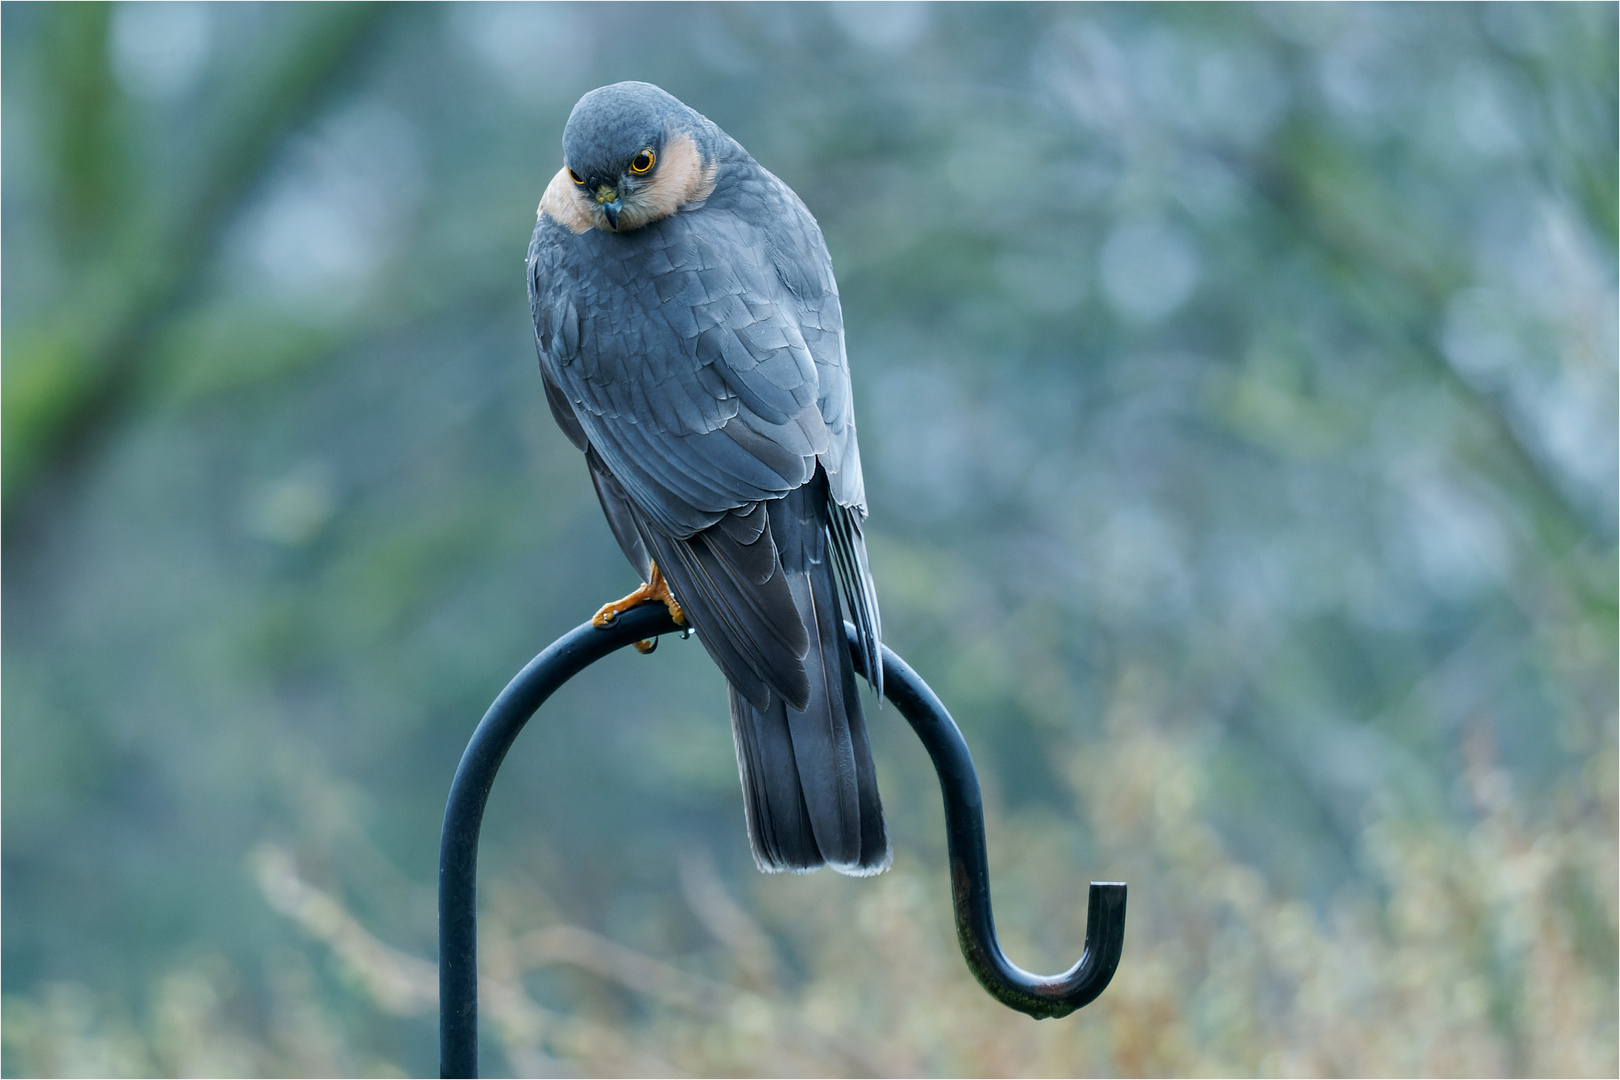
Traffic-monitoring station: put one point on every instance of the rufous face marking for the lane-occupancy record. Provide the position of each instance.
(670, 180)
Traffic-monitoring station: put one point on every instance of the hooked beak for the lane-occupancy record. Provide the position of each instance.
(608, 199)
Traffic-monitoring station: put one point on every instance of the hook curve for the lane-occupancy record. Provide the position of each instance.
(1039, 996)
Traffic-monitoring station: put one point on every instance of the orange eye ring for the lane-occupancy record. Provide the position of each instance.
(575, 177)
(643, 162)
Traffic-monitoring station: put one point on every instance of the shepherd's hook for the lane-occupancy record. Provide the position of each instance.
(1040, 996)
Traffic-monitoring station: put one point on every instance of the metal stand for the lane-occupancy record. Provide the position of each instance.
(1039, 996)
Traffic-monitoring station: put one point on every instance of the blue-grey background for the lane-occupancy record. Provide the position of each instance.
(1237, 391)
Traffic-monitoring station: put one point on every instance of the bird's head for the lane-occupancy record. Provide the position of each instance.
(633, 155)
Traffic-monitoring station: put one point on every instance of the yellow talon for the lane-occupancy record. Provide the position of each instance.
(656, 589)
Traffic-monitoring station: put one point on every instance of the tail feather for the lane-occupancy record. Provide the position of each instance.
(822, 743)
(808, 779)
(768, 596)
(803, 810)
(779, 827)
(847, 545)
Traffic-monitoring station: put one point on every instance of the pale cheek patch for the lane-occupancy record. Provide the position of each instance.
(562, 204)
(682, 178)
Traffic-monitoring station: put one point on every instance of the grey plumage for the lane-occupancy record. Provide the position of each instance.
(692, 347)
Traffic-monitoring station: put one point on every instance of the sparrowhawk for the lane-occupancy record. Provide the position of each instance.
(692, 346)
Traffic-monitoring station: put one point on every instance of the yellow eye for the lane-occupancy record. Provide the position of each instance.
(574, 176)
(642, 161)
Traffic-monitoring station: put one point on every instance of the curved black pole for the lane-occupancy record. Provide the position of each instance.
(1039, 996)
(464, 815)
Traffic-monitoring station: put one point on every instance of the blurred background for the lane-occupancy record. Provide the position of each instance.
(1238, 397)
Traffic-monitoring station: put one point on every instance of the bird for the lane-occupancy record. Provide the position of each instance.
(691, 345)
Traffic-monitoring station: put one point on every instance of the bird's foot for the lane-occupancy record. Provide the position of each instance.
(656, 589)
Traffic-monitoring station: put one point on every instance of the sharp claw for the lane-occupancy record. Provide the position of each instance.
(657, 589)
(645, 647)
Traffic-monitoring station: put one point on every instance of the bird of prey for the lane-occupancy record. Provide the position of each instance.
(692, 347)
